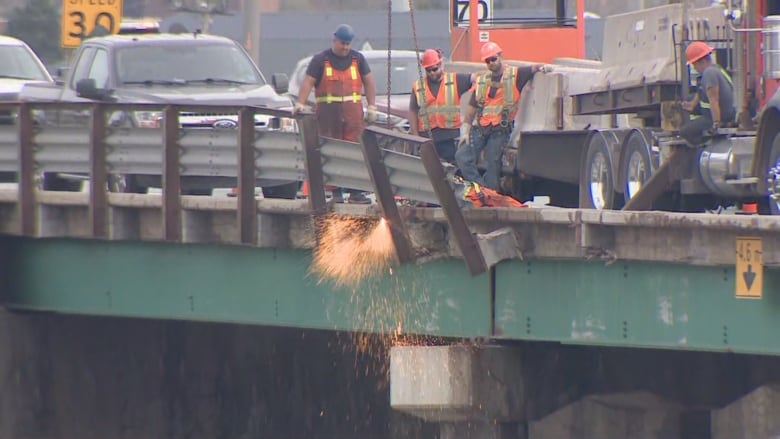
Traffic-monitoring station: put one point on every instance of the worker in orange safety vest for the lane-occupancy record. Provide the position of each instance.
(338, 76)
(434, 104)
(494, 105)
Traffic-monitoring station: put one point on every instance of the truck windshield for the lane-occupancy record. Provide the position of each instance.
(180, 64)
(18, 62)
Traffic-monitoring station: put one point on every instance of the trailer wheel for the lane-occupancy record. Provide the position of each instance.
(773, 176)
(597, 180)
(636, 165)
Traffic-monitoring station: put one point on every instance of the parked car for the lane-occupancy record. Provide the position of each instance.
(167, 68)
(19, 66)
(392, 112)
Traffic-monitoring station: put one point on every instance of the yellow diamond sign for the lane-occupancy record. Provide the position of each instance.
(88, 18)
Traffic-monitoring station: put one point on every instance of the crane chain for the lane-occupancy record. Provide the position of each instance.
(389, 59)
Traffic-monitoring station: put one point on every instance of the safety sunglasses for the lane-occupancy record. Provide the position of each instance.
(492, 59)
(432, 69)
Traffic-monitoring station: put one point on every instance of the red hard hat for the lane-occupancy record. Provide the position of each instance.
(696, 51)
(430, 58)
(490, 49)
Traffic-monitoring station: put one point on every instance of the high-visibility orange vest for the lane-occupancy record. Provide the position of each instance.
(339, 86)
(504, 103)
(442, 110)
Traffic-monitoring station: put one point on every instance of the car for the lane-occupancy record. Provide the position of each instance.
(392, 110)
(20, 66)
(168, 68)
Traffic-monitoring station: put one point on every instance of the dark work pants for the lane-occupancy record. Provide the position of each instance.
(693, 131)
(446, 149)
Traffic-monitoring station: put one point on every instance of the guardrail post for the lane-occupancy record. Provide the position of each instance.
(247, 204)
(171, 181)
(467, 243)
(98, 176)
(311, 146)
(384, 192)
(27, 217)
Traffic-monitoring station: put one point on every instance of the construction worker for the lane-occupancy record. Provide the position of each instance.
(438, 117)
(494, 104)
(338, 75)
(715, 96)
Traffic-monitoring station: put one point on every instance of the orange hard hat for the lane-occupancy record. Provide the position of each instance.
(430, 58)
(490, 49)
(696, 51)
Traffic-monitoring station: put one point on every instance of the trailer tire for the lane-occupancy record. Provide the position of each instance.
(636, 166)
(773, 176)
(597, 179)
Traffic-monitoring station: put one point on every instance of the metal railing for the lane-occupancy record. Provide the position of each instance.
(98, 149)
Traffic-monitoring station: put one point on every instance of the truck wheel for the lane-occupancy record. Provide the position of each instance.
(597, 180)
(773, 176)
(636, 165)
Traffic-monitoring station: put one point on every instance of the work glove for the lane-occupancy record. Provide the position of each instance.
(371, 114)
(299, 107)
(465, 130)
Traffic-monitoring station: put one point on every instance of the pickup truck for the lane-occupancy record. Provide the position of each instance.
(164, 68)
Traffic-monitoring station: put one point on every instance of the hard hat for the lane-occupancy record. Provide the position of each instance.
(344, 33)
(430, 58)
(696, 51)
(490, 49)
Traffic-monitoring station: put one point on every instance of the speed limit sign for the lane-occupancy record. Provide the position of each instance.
(86, 18)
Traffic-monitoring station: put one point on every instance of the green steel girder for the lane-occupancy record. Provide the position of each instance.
(635, 304)
(224, 283)
(653, 305)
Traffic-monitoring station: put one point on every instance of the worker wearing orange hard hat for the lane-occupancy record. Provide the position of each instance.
(493, 107)
(715, 95)
(434, 104)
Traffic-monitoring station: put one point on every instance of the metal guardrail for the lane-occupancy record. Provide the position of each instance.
(98, 149)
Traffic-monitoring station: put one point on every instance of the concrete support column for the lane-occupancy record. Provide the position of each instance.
(754, 416)
(196, 225)
(634, 415)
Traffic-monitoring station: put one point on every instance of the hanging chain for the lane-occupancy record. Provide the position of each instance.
(389, 59)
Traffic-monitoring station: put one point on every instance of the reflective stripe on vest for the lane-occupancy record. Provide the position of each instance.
(706, 105)
(442, 110)
(504, 103)
(339, 85)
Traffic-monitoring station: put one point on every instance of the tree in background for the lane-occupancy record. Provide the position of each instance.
(37, 23)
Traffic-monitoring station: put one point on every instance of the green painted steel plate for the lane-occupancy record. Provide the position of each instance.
(635, 304)
(225, 283)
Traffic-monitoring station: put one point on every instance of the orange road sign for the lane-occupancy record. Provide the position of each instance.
(86, 18)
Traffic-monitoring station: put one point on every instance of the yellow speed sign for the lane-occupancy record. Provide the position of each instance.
(87, 18)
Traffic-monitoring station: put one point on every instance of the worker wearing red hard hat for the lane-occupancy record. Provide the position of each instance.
(715, 96)
(494, 106)
(435, 104)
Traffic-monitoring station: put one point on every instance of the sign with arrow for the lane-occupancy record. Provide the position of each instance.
(749, 268)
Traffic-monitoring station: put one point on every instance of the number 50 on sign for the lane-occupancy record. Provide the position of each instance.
(85, 18)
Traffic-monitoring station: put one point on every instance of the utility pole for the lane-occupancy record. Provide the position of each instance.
(251, 15)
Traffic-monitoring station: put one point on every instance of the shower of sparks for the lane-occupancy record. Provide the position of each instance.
(357, 254)
(352, 249)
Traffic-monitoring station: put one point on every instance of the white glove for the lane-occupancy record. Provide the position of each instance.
(465, 130)
(299, 107)
(371, 114)
(544, 68)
